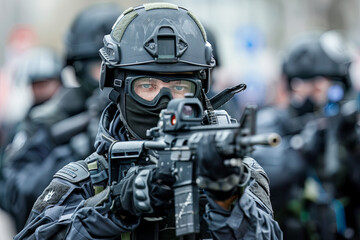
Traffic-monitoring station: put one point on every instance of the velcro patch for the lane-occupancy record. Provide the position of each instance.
(51, 195)
(73, 172)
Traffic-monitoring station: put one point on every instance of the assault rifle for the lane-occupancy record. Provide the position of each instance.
(174, 145)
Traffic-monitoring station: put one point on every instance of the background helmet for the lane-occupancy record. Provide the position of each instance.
(41, 64)
(318, 55)
(84, 39)
(155, 37)
(41, 68)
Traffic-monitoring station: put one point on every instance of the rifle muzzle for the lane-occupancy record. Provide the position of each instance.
(270, 139)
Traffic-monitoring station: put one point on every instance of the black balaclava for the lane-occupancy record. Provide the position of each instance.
(300, 109)
(140, 118)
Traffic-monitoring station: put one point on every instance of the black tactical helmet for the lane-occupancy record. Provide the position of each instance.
(156, 37)
(84, 38)
(318, 55)
(147, 42)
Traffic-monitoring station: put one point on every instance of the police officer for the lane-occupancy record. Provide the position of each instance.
(41, 68)
(155, 52)
(63, 128)
(316, 80)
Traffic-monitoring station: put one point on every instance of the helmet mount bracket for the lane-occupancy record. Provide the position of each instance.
(165, 44)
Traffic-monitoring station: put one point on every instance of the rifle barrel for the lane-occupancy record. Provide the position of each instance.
(270, 139)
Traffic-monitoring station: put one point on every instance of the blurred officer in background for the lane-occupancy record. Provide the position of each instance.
(41, 67)
(316, 80)
(66, 124)
(155, 52)
(13, 108)
(43, 71)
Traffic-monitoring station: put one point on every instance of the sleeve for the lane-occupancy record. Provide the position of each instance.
(26, 175)
(247, 220)
(61, 213)
(251, 216)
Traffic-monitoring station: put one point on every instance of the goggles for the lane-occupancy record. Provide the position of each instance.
(149, 89)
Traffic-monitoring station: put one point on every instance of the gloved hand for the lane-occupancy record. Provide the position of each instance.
(161, 194)
(219, 181)
(144, 191)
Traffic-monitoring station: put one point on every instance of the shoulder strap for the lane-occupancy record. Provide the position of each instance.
(98, 168)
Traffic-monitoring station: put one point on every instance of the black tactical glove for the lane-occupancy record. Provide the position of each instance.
(220, 181)
(144, 191)
(161, 194)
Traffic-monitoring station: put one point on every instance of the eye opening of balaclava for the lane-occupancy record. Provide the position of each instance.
(137, 117)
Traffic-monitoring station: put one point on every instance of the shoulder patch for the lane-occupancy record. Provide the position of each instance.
(73, 172)
(51, 195)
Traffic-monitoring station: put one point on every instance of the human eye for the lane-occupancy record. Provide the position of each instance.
(181, 86)
(145, 84)
(146, 88)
